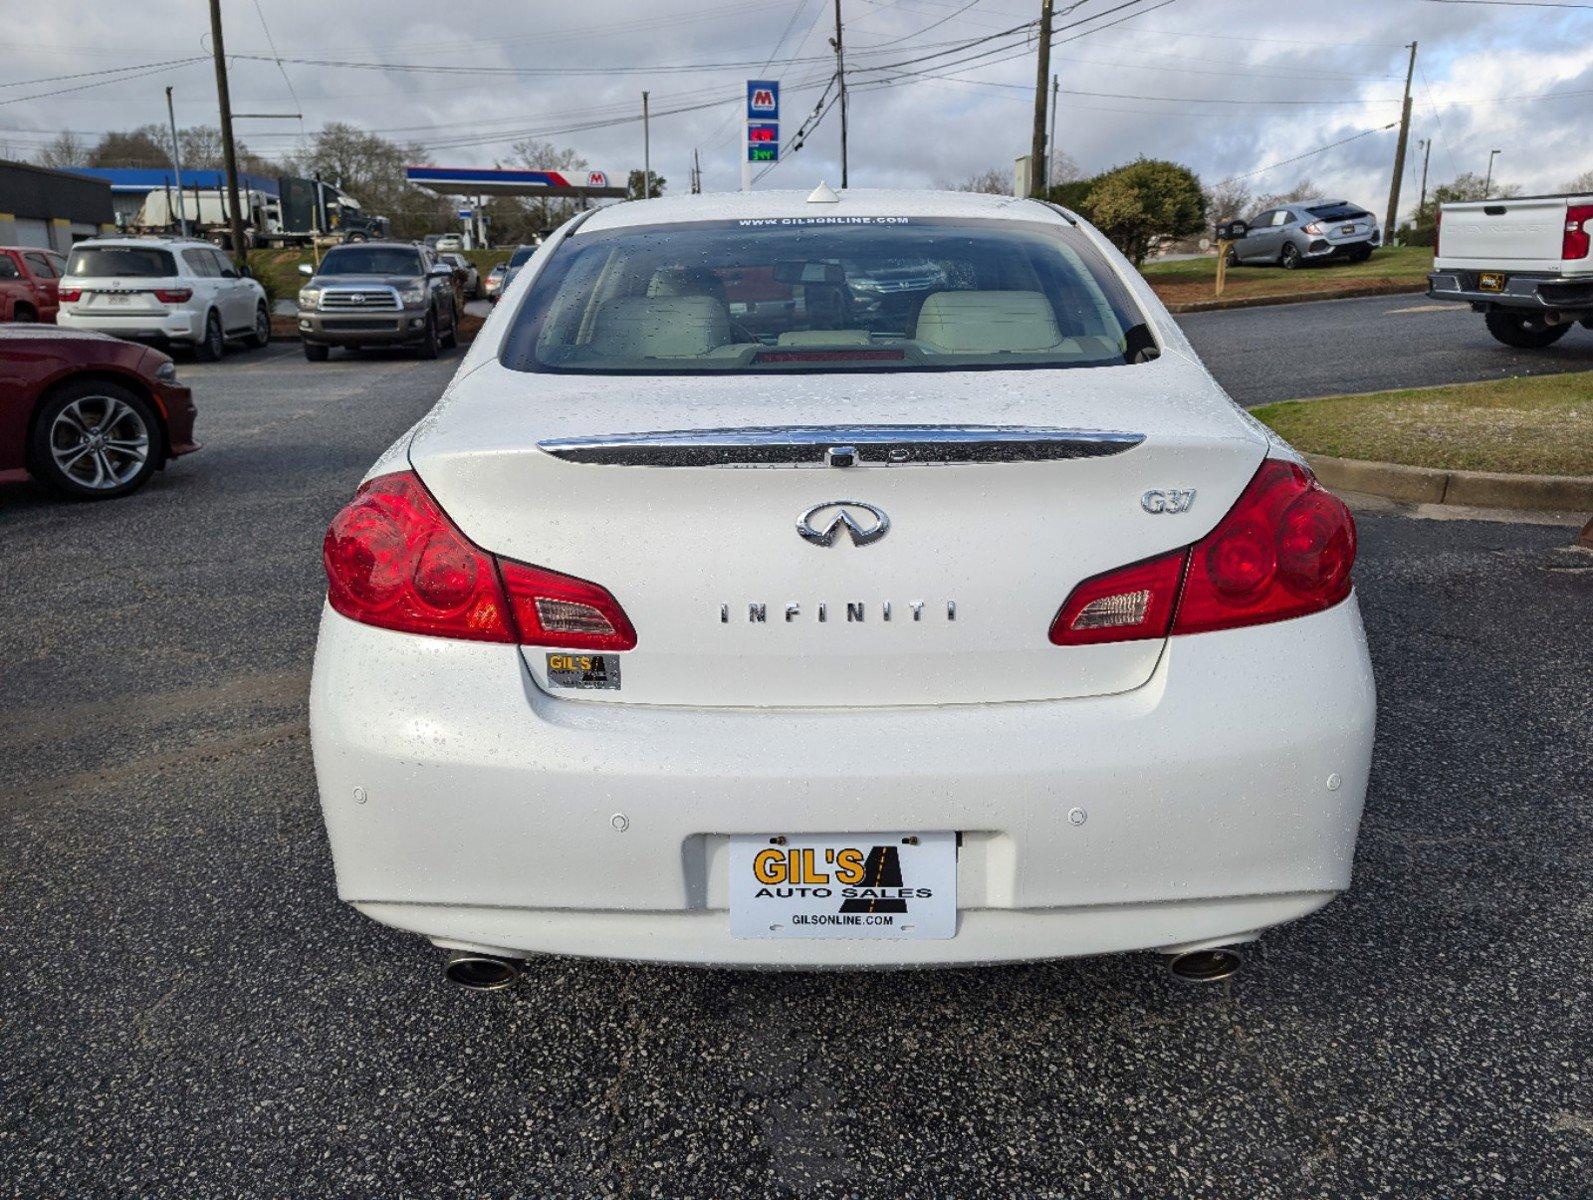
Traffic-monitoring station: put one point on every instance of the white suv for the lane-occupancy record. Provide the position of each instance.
(168, 290)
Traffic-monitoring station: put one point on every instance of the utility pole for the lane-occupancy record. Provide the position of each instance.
(240, 252)
(1037, 159)
(1487, 184)
(840, 75)
(696, 174)
(1050, 149)
(177, 165)
(1427, 152)
(647, 152)
(1391, 225)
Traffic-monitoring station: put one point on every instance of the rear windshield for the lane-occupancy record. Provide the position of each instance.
(825, 294)
(99, 261)
(371, 260)
(1338, 212)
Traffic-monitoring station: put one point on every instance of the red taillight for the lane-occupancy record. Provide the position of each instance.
(1578, 237)
(69, 295)
(1438, 229)
(1283, 550)
(1131, 602)
(173, 295)
(560, 610)
(394, 559)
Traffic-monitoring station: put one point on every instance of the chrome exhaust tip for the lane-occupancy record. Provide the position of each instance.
(1206, 966)
(480, 972)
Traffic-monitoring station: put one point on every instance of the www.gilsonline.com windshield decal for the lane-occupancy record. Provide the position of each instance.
(825, 221)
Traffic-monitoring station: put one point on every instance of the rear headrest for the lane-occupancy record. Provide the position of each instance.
(660, 327)
(987, 322)
(823, 337)
(686, 281)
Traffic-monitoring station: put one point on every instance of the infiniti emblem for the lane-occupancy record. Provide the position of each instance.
(821, 523)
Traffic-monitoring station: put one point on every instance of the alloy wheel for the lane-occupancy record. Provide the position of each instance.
(99, 442)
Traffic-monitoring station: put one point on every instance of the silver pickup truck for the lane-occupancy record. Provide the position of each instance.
(378, 294)
(1525, 263)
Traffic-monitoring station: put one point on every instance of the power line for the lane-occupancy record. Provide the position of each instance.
(271, 41)
(83, 87)
(1283, 162)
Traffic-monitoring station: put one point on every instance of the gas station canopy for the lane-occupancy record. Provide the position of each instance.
(494, 181)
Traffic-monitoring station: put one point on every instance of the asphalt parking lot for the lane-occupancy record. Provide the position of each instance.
(1287, 351)
(190, 1012)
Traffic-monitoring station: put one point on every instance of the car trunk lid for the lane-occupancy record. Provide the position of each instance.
(758, 570)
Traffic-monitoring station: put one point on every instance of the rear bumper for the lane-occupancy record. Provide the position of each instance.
(177, 326)
(1521, 290)
(373, 328)
(1328, 247)
(1222, 797)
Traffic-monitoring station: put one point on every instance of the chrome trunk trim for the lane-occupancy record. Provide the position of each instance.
(841, 446)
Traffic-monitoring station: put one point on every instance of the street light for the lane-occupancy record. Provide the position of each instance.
(1487, 184)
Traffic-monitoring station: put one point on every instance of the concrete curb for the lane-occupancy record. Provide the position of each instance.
(1478, 489)
(1355, 293)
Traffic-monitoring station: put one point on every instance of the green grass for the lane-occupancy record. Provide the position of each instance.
(1533, 425)
(1399, 262)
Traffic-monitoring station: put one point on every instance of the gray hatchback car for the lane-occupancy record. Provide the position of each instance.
(1310, 231)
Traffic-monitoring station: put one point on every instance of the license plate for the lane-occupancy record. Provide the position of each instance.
(1491, 281)
(896, 886)
(115, 298)
(1347, 229)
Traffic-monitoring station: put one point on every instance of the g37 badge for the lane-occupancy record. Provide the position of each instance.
(1173, 500)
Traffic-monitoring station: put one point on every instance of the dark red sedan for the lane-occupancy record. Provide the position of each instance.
(88, 415)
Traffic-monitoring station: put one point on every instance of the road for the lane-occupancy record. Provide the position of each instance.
(190, 1012)
(1287, 351)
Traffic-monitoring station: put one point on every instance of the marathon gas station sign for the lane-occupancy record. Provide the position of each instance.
(763, 127)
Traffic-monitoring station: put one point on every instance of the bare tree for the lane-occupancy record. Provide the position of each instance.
(371, 169)
(1304, 190)
(537, 155)
(65, 149)
(144, 147)
(1582, 183)
(994, 180)
(1228, 201)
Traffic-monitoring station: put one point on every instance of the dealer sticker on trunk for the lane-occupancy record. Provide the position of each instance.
(873, 885)
(586, 671)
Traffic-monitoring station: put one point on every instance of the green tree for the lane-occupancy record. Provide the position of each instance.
(1146, 200)
(1468, 185)
(633, 186)
(1072, 193)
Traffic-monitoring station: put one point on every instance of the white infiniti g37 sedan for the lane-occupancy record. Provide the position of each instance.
(858, 580)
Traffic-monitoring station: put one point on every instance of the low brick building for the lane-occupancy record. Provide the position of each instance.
(51, 209)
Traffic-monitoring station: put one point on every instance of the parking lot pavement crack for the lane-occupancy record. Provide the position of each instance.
(1277, 1086)
(141, 1023)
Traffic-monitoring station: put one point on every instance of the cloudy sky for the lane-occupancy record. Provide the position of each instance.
(1228, 87)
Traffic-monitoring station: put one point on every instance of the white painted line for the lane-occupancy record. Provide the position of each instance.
(1414, 308)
